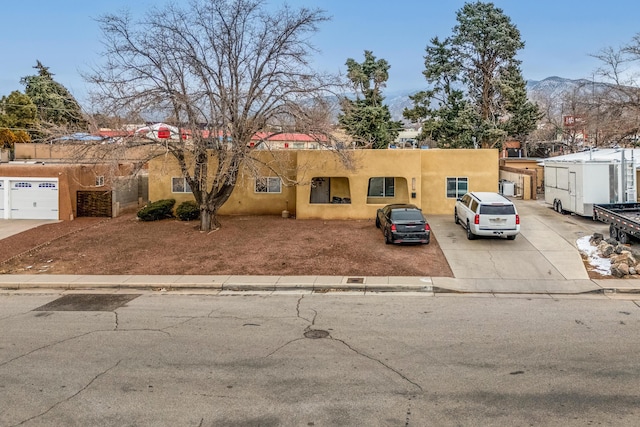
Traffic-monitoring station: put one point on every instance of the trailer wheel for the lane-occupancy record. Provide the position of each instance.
(555, 205)
(623, 237)
(613, 232)
(560, 210)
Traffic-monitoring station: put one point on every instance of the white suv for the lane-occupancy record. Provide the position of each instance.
(487, 214)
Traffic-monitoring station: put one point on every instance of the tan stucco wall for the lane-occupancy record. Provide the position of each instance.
(521, 181)
(82, 153)
(528, 164)
(401, 164)
(244, 200)
(428, 169)
(480, 167)
(40, 151)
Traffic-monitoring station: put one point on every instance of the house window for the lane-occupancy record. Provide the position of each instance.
(457, 187)
(381, 187)
(268, 185)
(180, 185)
(99, 181)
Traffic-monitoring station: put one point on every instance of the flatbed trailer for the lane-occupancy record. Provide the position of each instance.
(623, 219)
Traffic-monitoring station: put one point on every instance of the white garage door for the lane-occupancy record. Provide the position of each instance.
(31, 199)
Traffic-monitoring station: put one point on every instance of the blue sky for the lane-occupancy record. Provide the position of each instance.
(559, 35)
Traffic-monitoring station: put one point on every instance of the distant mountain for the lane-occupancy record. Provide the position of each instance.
(556, 86)
(398, 102)
(549, 89)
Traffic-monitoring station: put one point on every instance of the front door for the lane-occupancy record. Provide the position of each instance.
(320, 190)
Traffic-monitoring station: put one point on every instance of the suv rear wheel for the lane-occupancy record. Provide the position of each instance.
(470, 234)
(455, 216)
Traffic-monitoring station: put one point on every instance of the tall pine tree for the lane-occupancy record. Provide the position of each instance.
(366, 119)
(476, 93)
(57, 108)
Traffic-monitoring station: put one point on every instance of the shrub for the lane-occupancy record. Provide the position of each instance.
(154, 211)
(188, 211)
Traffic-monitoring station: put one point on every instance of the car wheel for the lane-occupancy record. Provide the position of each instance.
(455, 217)
(387, 240)
(470, 234)
(377, 222)
(511, 237)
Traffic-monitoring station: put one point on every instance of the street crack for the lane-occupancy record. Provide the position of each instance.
(392, 369)
(70, 397)
(309, 332)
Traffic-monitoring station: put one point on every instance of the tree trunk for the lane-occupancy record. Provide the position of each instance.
(208, 220)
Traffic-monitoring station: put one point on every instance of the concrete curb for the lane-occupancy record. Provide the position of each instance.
(320, 284)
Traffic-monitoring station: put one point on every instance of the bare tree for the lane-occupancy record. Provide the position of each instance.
(223, 69)
(615, 104)
(575, 107)
(550, 125)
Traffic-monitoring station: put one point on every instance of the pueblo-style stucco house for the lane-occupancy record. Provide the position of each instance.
(317, 184)
(307, 183)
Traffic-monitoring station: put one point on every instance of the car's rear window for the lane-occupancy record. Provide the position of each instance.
(497, 209)
(406, 215)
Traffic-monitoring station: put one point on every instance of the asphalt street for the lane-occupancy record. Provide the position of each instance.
(317, 360)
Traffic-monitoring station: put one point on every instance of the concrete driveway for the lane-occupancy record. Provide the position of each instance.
(9, 227)
(545, 249)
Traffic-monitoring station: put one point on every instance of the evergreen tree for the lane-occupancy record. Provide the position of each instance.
(56, 106)
(475, 77)
(17, 119)
(366, 119)
(522, 114)
(18, 112)
(444, 113)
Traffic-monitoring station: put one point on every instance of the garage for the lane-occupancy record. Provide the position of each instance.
(30, 198)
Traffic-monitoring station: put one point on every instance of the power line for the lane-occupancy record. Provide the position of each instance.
(43, 108)
(17, 129)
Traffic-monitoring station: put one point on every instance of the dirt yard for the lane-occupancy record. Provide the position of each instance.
(245, 245)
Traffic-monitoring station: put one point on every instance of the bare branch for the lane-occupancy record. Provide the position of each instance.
(223, 69)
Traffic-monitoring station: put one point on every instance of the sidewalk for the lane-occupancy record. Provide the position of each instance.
(320, 284)
(543, 260)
